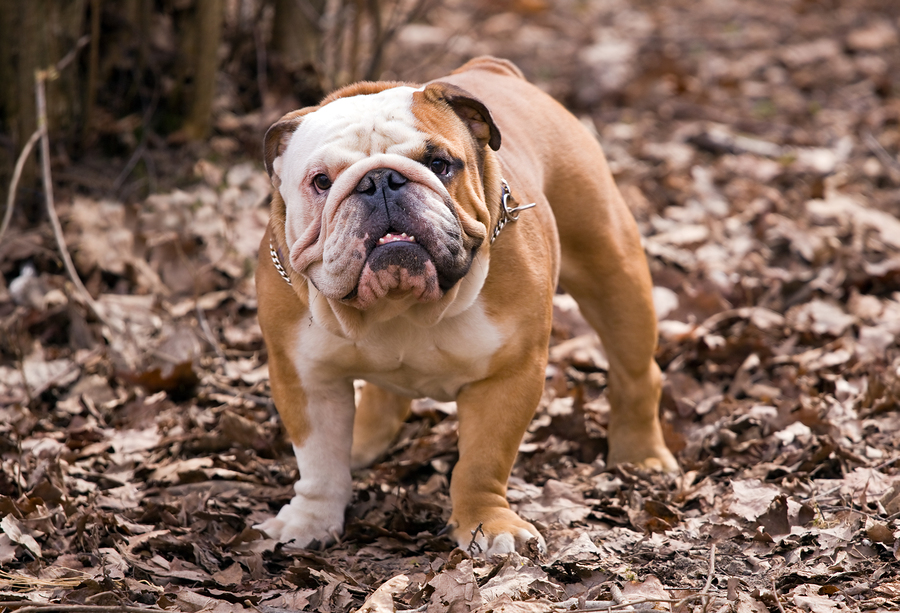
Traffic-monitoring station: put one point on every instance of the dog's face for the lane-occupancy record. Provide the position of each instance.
(383, 191)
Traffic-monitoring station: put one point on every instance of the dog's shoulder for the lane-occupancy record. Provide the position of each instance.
(491, 64)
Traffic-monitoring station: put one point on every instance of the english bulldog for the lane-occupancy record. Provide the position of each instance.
(417, 237)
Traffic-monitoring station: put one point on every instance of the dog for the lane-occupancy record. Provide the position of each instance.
(408, 248)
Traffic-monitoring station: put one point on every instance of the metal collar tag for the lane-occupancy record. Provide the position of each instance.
(507, 214)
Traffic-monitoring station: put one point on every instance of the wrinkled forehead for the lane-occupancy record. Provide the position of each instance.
(349, 129)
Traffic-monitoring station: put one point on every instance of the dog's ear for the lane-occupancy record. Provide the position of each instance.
(277, 138)
(470, 109)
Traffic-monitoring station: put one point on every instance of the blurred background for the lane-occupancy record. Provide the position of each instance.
(756, 142)
(144, 76)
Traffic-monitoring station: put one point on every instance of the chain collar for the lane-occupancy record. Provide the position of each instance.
(507, 215)
(276, 259)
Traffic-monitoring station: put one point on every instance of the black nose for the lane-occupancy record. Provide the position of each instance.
(383, 180)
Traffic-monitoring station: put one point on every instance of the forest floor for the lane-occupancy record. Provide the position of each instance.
(757, 143)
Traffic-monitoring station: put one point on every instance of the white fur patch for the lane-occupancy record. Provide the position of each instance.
(501, 544)
(340, 134)
(316, 512)
(405, 357)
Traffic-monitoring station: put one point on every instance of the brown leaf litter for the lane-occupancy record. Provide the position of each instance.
(134, 459)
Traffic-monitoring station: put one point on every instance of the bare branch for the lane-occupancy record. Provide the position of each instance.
(14, 184)
(80, 608)
(40, 79)
(775, 596)
(890, 164)
(710, 573)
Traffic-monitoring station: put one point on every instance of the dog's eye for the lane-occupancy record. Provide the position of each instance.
(322, 182)
(439, 166)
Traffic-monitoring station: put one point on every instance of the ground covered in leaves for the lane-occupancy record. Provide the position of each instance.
(757, 143)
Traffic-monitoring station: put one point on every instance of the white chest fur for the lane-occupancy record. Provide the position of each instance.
(403, 357)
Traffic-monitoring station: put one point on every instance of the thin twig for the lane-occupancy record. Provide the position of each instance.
(207, 331)
(619, 603)
(17, 174)
(474, 548)
(129, 166)
(629, 606)
(40, 78)
(83, 608)
(890, 164)
(775, 596)
(70, 56)
(616, 593)
(710, 573)
(140, 152)
(260, 401)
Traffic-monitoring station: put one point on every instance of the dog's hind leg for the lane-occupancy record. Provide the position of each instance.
(604, 268)
(379, 416)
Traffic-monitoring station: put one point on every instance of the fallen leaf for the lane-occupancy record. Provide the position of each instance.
(807, 598)
(455, 590)
(649, 589)
(233, 575)
(18, 533)
(751, 498)
(382, 599)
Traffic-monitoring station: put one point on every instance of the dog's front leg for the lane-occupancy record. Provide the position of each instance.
(320, 426)
(493, 416)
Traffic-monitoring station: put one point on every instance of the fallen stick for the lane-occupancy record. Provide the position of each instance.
(710, 573)
(775, 596)
(40, 78)
(80, 608)
(14, 184)
(26, 150)
(887, 161)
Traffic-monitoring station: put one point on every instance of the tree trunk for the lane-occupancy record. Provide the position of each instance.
(34, 35)
(296, 34)
(209, 17)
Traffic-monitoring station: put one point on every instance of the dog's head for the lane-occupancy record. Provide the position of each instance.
(383, 192)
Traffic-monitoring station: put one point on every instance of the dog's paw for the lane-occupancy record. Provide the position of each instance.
(664, 462)
(657, 458)
(303, 521)
(643, 448)
(497, 532)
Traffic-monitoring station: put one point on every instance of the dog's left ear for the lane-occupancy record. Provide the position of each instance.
(277, 138)
(470, 109)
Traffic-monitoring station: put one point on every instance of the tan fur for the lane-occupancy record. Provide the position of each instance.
(581, 235)
(379, 416)
(603, 265)
(280, 311)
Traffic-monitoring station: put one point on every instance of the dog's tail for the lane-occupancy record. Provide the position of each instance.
(491, 64)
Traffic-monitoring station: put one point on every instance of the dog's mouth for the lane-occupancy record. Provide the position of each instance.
(397, 264)
(390, 237)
